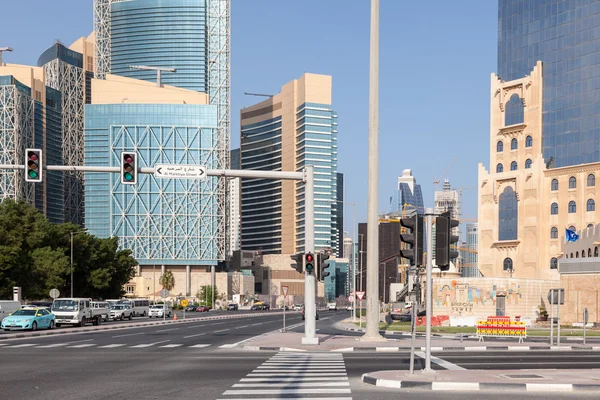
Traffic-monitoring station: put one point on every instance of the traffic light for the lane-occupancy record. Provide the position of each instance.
(33, 165)
(298, 262)
(323, 265)
(413, 239)
(309, 263)
(445, 241)
(128, 168)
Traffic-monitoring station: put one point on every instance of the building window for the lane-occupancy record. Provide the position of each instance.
(596, 251)
(499, 147)
(554, 233)
(508, 215)
(591, 181)
(589, 252)
(576, 254)
(527, 164)
(499, 168)
(572, 182)
(514, 144)
(554, 209)
(513, 166)
(508, 264)
(553, 263)
(528, 141)
(572, 207)
(582, 253)
(514, 111)
(130, 289)
(554, 184)
(572, 228)
(590, 226)
(591, 205)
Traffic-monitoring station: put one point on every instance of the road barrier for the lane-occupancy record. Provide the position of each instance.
(501, 327)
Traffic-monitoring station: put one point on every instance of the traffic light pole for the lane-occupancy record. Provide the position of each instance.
(310, 283)
(429, 299)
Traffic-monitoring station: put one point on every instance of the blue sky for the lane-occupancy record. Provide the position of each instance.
(435, 64)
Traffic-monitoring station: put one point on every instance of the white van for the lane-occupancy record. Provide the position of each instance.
(76, 311)
(8, 307)
(104, 306)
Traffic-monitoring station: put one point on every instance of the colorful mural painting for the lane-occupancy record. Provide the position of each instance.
(460, 298)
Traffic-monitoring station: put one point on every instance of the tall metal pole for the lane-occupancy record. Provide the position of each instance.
(71, 264)
(310, 296)
(354, 255)
(372, 331)
(428, 302)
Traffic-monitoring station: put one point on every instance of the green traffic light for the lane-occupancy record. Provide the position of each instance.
(128, 176)
(33, 174)
(309, 267)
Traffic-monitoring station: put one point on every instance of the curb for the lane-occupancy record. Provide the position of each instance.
(418, 334)
(262, 348)
(472, 348)
(463, 386)
(75, 331)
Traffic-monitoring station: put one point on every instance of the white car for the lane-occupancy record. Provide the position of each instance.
(332, 306)
(121, 312)
(158, 311)
(349, 308)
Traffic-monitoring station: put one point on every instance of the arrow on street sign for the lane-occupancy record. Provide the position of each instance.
(360, 295)
(180, 171)
(285, 290)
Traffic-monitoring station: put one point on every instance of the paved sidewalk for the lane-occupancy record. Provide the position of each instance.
(512, 380)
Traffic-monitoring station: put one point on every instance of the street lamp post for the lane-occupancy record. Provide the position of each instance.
(3, 49)
(73, 234)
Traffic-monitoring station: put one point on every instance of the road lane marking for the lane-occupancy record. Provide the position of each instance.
(129, 334)
(199, 346)
(167, 330)
(81, 346)
(141, 346)
(190, 336)
(49, 346)
(298, 378)
(111, 346)
(222, 330)
(240, 327)
(23, 345)
(292, 384)
(260, 323)
(442, 363)
(284, 391)
(170, 346)
(297, 373)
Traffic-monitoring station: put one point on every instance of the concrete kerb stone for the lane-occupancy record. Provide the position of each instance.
(472, 348)
(476, 386)
(85, 330)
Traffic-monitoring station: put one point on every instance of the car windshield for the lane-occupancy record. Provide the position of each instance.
(64, 305)
(157, 307)
(25, 312)
(118, 307)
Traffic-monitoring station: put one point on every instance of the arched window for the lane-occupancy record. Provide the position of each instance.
(554, 233)
(554, 184)
(514, 144)
(572, 207)
(513, 166)
(572, 182)
(553, 263)
(589, 252)
(499, 146)
(576, 254)
(514, 111)
(591, 205)
(571, 255)
(554, 209)
(527, 164)
(596, 251)
(590, 226)
(528, 141)
(582, 253)
(508, 215)
(572, 228)
(591, 180)
(508, 264)
(499, 168)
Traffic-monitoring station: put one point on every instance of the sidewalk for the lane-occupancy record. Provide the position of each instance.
(514, 380)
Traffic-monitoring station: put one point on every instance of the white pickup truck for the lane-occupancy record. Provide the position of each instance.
(76, 311)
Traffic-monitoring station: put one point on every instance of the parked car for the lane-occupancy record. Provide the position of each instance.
(121, 311)
(298, 307)
(332, 306)
(316, 311)
(349, 308)
(265, 307)
(28, 319)
(159, 311)
(190, 309)
(286, 308)
(232, 307)
(256, 307)
(407, 317)
(203, 309)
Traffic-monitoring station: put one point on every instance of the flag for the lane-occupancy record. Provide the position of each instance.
(571, 236)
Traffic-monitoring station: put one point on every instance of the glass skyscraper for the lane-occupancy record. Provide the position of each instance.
(565, 36)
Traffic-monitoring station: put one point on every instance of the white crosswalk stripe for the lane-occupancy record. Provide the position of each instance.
(71, 345)
(295, 375)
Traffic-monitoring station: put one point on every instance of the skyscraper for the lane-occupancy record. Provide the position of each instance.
(339, 218)
(407, 194)
(234, 208)
(294, 128)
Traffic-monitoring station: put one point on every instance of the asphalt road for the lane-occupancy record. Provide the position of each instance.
(200, 361)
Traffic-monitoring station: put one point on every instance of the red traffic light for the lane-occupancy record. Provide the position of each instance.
(32, 156)
(309, 258)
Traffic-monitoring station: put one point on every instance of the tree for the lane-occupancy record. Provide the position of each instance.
(167, 281)
(205, 295)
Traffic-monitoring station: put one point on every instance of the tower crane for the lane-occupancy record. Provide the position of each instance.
(437, 181)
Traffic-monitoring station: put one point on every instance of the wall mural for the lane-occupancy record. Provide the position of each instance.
(459, 298)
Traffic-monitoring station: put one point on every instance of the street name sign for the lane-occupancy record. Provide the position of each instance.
(179, 171)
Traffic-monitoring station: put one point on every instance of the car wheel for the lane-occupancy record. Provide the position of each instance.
(6, 330)
(57, 325)
(130, 317)
(51, 326)
(34, 326)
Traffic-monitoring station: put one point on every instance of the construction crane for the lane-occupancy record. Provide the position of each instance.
(258, 94)
(437, 181)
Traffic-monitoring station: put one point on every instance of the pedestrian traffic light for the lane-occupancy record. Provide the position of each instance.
(445, 241)
(298, 262)
(413, 239)
(33, 165)
(309, 263)
(128, 168)
(323, 265)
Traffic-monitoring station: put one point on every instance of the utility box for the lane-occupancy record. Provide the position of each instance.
(17, 293)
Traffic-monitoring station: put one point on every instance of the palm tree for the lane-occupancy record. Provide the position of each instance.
(167, 280)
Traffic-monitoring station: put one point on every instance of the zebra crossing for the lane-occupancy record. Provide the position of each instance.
(295, 376)
(71, 345)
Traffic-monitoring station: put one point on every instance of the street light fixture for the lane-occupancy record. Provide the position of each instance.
(73, 234)
(158, 70)
(3, 49)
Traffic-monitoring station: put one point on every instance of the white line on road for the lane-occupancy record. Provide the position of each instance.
(199, 334)
(299, 378)
(243, 326)
(129, 334)
(49, 346)
(260, 323)
(297, 373)
(293, 384)
(23, 345)
(111, 346)
(302, 370)
(167, 330)
(170, 346)
(222, 330)
(81, 346)
(442, 363)
(199, 346)
(141, 346)
(284, 391)
(279, 398)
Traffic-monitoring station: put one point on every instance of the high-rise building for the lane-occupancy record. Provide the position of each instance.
(294, 128)
(70, 70)
(544, 140)
(339, 218)
(167, 222)
(469, 264)
(234, 233)
(31, 117)
(190, 36)
(408, 194)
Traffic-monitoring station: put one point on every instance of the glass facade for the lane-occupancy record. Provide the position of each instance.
(340, 213)
(163, 221)
(336, 284)
(565, 36)
(158, 33)
(509, 215)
